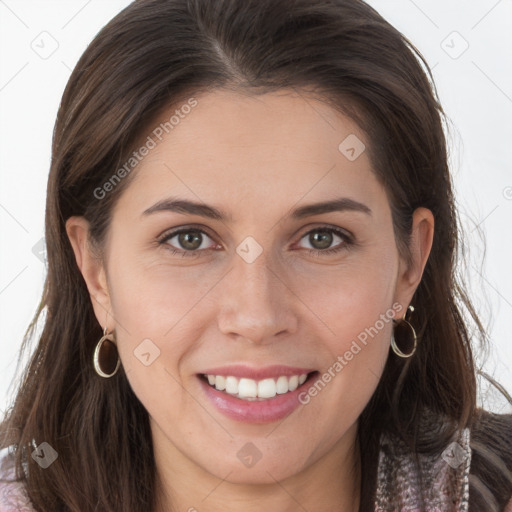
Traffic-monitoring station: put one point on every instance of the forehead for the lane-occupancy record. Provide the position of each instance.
(255, 150)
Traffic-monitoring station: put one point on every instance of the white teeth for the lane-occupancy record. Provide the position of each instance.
(282, 385)
(267, 388)
(232, 385)
(220, 382)
(247, 388)
(293, 383)
(250, 389)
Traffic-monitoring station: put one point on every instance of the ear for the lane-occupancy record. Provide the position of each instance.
(91, 267)
(410, 274)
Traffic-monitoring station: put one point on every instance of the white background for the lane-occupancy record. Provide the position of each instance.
(475, 89)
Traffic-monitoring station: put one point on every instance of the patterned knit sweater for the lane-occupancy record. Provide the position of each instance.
(441, 484)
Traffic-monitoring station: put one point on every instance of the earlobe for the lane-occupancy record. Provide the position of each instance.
(90, 266)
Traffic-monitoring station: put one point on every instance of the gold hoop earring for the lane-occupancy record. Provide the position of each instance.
(394, 346)
(107, 341)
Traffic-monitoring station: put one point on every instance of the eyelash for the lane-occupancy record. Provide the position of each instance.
(346, 244)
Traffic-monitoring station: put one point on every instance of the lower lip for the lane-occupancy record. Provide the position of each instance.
(254, 411)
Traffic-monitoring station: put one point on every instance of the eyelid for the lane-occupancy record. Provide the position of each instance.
(185, 227)
(328, 227)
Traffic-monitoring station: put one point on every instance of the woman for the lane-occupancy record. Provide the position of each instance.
(251, 296)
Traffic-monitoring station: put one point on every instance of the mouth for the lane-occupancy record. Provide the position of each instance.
(255, 395)
(252, 390)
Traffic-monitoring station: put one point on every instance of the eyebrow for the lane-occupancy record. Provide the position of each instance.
(336, 205)
(194, 208)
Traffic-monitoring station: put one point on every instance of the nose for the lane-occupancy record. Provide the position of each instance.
(256, 302)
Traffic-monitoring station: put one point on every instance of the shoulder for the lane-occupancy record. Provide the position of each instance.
(491, 466)
(13, 495)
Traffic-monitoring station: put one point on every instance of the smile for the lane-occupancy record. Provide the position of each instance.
(255, 396)
(250, 389)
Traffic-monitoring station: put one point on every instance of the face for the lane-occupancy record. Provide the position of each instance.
(269, 263)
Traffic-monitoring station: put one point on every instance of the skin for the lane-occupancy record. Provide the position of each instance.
(256, 158)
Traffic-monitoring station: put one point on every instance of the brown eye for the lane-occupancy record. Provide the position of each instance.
(190, 240)
(321, 240)
(187, 242)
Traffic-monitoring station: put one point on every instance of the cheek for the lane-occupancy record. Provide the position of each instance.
(351, 297)
(360, 324)
(158, 310)
(148, 312)
(356, 306)
(150, 299)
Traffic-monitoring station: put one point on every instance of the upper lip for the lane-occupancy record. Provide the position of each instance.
(248, 372)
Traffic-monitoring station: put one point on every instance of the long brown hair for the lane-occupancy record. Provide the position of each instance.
(148, 58)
